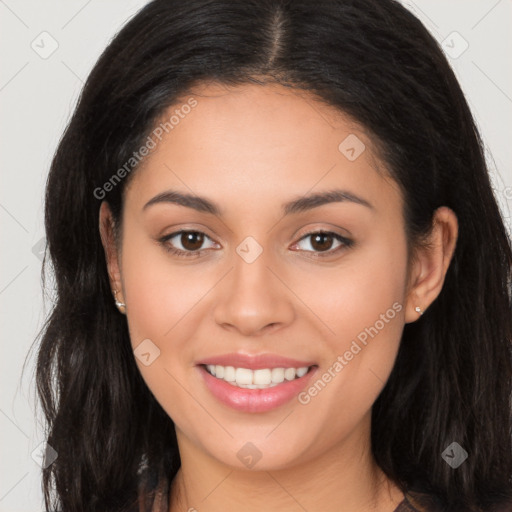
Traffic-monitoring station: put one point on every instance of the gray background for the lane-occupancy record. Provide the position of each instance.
(38, 90)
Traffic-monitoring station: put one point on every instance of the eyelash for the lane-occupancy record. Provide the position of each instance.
(346, 243)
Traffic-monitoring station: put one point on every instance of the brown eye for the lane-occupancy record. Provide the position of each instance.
(323, 242)
(192, 240)
(187, 243)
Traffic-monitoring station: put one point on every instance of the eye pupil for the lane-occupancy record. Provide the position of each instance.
(321, 246)
(192, 240)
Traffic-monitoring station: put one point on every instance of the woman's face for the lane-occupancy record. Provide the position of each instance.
(263, 294)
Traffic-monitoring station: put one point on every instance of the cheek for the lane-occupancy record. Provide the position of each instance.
(361, 308)
(166, 302)
(160, 300)
(362, 303)
(159, 293)
(351, 296)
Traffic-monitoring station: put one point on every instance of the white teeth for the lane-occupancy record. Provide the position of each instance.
(256, 379)
(300, 371)
(229, 374)
(289, 373)
(277, 375)
(243, 376)
(262, 377)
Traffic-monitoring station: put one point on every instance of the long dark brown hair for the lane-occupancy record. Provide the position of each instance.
(373, 60)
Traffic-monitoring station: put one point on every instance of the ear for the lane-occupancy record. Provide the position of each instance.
(431, 263)
(112, 256)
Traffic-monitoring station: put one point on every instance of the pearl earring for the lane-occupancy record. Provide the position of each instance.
(418, 310)
(120, 305)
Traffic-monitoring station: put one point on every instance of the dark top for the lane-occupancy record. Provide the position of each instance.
(415, 502)
(420, 502)
(406, 506)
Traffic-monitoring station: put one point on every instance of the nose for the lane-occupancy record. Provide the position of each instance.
(252, 300)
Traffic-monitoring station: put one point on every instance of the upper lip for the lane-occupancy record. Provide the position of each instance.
(255, 362)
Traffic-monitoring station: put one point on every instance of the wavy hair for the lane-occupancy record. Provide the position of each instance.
(372, 60)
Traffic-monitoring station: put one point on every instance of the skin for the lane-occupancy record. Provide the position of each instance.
(249, 149)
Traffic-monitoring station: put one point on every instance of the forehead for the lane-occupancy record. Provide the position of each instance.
(251, 142)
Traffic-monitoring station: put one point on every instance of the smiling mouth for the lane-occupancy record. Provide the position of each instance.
(256, 379)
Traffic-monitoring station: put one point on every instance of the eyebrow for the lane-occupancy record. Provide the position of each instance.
(302, 204)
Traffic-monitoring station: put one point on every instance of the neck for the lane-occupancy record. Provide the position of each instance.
(343, 479)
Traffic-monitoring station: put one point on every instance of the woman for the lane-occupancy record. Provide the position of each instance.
(283, 280)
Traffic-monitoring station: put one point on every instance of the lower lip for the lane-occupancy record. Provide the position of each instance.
(254, 400)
